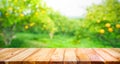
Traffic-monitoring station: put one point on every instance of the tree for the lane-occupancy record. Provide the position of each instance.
(20, 15)
(104, 20)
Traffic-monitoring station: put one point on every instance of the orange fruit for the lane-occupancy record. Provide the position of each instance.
(10, 8)
(6, 14)
(104, 18)
(110, 29)
(21, 15)
(117, 25)
(26, 27)
(43, 12)
(102, 31)
(98, 21)
(32, 24)
(107, 25)
(36, 13)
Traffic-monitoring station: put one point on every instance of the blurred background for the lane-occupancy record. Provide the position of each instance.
(59, 23)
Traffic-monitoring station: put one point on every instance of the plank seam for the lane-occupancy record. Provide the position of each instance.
(110, 54)
(32, 54)
(16, 54)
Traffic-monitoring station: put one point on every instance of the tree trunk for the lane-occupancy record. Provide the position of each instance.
(8, 40)
(7, 37)
(51, 34)
(8, 34)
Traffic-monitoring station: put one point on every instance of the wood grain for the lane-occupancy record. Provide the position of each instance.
(8, 53)
(108, 59)
(82, 57)
(113, 53)
(70, 56)
(21, 56)
(59, 55)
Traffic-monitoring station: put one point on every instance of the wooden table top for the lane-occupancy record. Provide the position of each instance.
(59, 55)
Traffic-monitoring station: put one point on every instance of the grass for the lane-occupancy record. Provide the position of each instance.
(30, 40)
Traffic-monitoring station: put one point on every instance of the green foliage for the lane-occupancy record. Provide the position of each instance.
(21, 15)
(104, 21)
(30, 40)
(32, 16)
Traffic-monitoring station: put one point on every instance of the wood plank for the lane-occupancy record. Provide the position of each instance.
(7, 53)
(42, 56)
(83, 58)
(93, 56)
(113, 53)
(1, 48)
(46, 55)
(5, 50)
(70, 56)
(107, 57)
(10, 54)
(57, 56)
(116, 49)
(21, 56)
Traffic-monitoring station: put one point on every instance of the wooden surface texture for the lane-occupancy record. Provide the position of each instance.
(59, 55)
